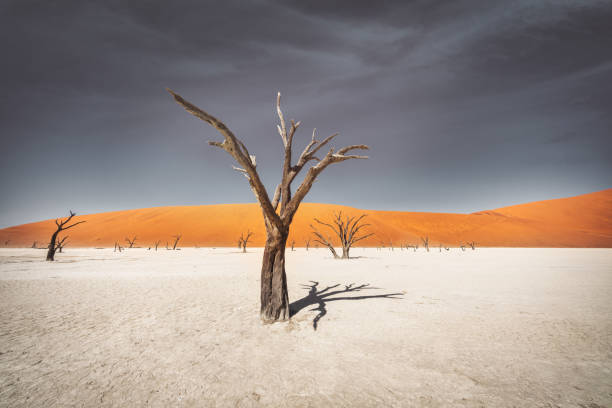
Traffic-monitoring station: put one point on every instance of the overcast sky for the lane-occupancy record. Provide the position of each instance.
(467, 105)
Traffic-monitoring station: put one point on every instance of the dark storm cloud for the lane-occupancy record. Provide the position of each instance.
(467, 104)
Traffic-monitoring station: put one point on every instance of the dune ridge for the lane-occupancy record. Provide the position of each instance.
(581, 221)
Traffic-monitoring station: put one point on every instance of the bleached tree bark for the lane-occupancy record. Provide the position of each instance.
(279, 211)
(62, 225)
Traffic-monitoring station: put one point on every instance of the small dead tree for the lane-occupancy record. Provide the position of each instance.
(7, 242)
(61, 244)
(244, 240)
(307, 244)
(61, 225)
(279, 211)
(462, 246)
(34, 244)
(177, 238)
(472, 245)
(131, 242)
(346, 229)
(425, 242)
(157, 244)
(118, 247)
(293, 245)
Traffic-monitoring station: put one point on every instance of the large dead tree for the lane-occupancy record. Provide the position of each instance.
(244, 240)
(346, 229)
(279, 211)
(62, 225)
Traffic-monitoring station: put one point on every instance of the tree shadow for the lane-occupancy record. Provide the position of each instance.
(321, 297)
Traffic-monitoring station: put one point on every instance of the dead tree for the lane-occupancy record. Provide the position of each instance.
(279, 211)
(293, 245)
(118, 247)
(34, 244)
(7, 242)
(307, 244)
(244, 240)
(61, 244)
(177, 238)
(425, 242)
(462, 246)
(157, 244)
(62, 225)
(472, 245)
(131, 242)
(440, 247)
(346, 229)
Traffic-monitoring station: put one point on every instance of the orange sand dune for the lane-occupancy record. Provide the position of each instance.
(582, 221)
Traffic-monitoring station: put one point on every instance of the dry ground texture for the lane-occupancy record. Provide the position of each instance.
(491, 327)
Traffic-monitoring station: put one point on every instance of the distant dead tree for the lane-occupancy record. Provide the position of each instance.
(34, 244)
(472, 245)
(7, 242)
(131, 242)
(391, 245)
(346, 229)
(118, 247)
(61, 244)
(462, 246)
(167, 247)
(157, 244)
(293, 245)
(307, 244)
(425, 242)
(61, 225)
(440, 247)
(177, 238)
(274, 296)
(244, 240)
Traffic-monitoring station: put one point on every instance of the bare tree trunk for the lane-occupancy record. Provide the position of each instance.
(274, 294)
(345, 252)
(52, 247)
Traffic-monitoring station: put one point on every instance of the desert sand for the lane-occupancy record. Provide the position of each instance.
(484, 328)
(582, 221)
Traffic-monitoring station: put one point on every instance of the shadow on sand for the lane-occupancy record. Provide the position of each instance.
(321, 297)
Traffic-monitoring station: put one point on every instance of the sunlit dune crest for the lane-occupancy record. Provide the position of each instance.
(581, 221)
